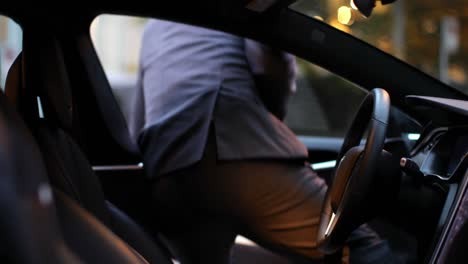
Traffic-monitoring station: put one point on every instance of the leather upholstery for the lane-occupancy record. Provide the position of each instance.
(92, 241)
(70, 172)
(68, 169)
(28, 224)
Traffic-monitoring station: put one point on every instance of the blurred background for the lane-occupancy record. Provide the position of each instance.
(11, 39)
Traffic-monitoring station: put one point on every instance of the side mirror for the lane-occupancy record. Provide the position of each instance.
(366, 6)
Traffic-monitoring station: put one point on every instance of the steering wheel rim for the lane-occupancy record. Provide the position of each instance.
(344, 207)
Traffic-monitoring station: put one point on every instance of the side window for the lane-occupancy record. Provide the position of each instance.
(324, 104)
(117, 40)
(11, 38)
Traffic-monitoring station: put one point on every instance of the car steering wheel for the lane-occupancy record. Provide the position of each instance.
(347, 204)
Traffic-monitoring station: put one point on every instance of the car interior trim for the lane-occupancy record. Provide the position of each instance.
(138, 166)
(450, 220)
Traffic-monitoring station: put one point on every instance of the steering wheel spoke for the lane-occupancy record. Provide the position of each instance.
(345, 202)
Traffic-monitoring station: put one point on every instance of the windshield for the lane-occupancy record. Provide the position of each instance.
(426, 34)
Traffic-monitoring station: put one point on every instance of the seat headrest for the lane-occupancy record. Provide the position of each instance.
(47, 79)
(53, 83)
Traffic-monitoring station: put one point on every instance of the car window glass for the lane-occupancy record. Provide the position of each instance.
(323, 106)
(429, 35)
(117, 40)
(10, 45)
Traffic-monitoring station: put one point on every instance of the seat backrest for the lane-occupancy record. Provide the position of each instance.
(28, 224)
(68, 168)
(73, 177)
(89, 238)
(39, 224)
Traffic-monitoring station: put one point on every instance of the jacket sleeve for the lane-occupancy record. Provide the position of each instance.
(274, 72)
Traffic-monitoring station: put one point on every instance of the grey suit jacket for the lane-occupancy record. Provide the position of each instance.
(195, 80)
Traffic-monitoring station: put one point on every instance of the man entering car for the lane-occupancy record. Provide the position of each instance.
(208, 120)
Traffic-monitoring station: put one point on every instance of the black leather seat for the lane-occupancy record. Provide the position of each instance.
(38, 224)
(68, 168)
(28, 223)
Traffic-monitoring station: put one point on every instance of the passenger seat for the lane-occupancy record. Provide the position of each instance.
(28, 223)
(39, 224)
(68, 169)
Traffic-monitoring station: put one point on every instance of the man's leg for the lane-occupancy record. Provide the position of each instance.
(274, 204)
(192, 235)
(367, 247)
(277, 204)
(206, 241)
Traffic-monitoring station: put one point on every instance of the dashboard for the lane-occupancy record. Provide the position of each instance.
(442, 155)
(441, 152)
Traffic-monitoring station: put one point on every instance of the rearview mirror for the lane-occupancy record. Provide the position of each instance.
(366, 6)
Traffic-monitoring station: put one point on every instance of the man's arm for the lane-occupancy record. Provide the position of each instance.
(274, 73)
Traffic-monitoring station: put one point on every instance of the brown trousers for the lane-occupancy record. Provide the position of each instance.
(276, 204)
